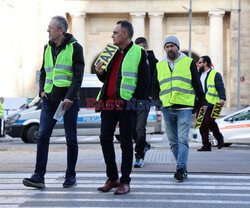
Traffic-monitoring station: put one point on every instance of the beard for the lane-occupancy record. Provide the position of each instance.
(172, 55)
(201, 70)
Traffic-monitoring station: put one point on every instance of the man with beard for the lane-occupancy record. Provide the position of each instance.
(177, 84)
(213, 87)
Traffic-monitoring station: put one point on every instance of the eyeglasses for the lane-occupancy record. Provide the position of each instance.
(200, 62)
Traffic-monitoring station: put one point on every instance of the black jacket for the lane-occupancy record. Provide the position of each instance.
(142, 79)
(72, 92)
(152, 67)
(195, 82)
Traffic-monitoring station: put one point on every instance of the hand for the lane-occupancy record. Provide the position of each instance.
(204, 107)
(98, 68)
(43, 94)
(222, 102)
(66, 104)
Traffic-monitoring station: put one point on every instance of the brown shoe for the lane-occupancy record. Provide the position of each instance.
(109, 185)
(123, 188)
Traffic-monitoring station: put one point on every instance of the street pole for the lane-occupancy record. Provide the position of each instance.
(190, 24)
(239, 55)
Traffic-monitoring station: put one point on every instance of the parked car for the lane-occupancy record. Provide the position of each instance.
(235, 128)
(24, 123)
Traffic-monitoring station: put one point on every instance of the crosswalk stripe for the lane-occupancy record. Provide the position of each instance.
(143, 182)
(133, 175)
(39, 192)
(200, 201)
(209, 190)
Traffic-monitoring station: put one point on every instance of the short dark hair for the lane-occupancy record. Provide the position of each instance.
(126, 25)
(141, 40)
(61, 22)
(206, 59)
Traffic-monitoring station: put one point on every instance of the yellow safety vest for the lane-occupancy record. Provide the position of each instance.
(176, 86)
(61, 73)
(212, 95)
(1, 110)
(129, 72)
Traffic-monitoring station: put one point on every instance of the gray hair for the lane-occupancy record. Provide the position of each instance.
(126, 25)
(61, 23)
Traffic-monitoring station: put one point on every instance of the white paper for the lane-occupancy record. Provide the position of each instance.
(59, 112)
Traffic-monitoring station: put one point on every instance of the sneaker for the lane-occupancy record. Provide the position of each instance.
(204, 149)
(220, 143)
(180, 175)
(70, 181)
(138, 163)
(35, 181)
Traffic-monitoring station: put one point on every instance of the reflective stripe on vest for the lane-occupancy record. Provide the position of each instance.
(129, 72)
(176, 86)
(61, 74)
(212, 95)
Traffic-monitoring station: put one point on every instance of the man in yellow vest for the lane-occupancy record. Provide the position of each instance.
(177, 84)
(213, 87)
(1, 117)
(126, 79)
(60, 80)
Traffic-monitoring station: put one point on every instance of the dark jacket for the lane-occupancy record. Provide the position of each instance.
(72, 92)
(219, 85)
(142, 79)
(152, 67)
(195, 82)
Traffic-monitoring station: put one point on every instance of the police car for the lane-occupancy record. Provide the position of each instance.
(24, 123)
(234, 127)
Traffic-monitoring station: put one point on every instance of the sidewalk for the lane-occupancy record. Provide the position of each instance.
(21, 158)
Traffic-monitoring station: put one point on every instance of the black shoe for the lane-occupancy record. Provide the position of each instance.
(220, 143)
(35, 181)
(180, 175)
(70, 181)
(204, 149)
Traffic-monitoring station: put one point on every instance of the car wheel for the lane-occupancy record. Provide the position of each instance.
(24, 139)
(212, 140)
(227, 144)
(32, 134)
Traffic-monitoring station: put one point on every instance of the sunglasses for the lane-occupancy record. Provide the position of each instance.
(200, 62)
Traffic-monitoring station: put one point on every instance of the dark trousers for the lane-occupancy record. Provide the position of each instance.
(140, 132)
(47, 124)
(209, 124)
(109, 120)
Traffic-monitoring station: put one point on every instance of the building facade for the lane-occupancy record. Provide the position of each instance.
(214, 33)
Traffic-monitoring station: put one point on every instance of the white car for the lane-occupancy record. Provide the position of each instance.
(235, 128)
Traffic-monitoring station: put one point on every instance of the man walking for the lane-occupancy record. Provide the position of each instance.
(178, 82)
(125, 79)
(60, 80)
(142, 146)
(213, 87)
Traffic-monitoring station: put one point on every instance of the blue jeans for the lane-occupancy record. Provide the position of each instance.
(177, 125)
(47, 124)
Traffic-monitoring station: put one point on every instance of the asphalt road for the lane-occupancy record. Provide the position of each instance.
(218, 178)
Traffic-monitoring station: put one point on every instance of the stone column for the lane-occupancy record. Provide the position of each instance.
(155, 33)
(216, 39)
(138, 22)
(78, 26)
